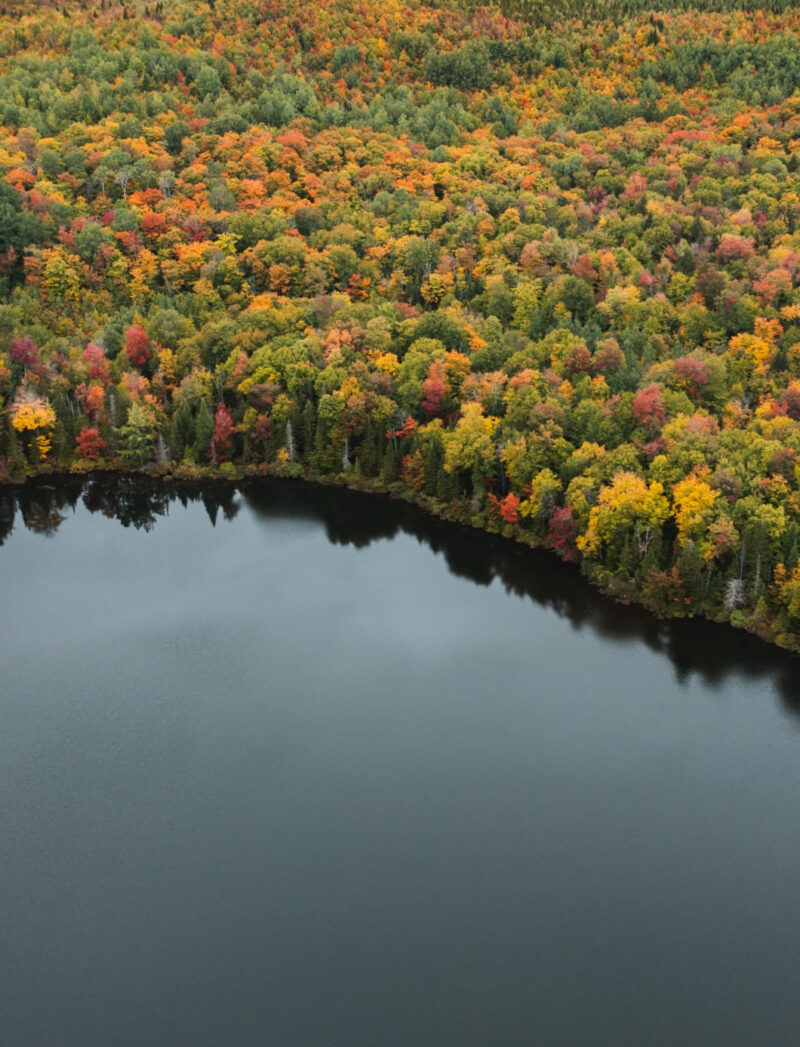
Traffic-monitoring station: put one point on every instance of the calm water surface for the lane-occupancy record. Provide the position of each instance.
(298, 768)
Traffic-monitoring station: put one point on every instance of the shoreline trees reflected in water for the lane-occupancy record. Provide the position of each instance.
(715, 652)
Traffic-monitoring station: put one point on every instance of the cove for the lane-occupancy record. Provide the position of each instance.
(294, 766)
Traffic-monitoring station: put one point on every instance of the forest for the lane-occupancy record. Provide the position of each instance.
(532, 266)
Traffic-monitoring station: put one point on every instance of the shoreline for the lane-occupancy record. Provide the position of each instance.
(230, 474)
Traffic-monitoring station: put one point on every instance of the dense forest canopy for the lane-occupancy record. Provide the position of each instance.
(535, 265)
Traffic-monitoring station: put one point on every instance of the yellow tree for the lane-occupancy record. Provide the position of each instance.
(61, 283)
(787, 590)
(627, 506)
(694, 504)
(543, 493)
(470, 446)
(35, 415)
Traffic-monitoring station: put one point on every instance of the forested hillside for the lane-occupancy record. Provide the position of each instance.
(535, 265)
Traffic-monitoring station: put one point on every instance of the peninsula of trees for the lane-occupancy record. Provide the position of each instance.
(533, 265)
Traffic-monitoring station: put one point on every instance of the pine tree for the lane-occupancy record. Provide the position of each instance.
(434, 465)
(204, 430)
(183, 429)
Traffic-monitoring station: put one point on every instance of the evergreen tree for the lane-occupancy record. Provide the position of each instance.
(204, 430)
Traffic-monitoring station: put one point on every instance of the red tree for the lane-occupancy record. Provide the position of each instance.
(137, 345)
(96, 361)
(222, 440)
(693, 373)
(25, 352)
(434, 389)
(90, 443)
(561, 534)
(505, 509)
(648, 408)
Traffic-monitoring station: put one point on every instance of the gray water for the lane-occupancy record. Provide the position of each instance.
(327, 773)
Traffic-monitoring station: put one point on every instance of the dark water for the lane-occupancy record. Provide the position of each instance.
(328, 773)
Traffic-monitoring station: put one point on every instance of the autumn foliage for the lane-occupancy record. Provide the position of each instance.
(536, 266)
(137, 345)
(89, 443)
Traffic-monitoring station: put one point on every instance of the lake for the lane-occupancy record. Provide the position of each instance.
(292, 766)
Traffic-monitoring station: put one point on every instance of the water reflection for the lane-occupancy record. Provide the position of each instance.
(43, 507)
(693, 647)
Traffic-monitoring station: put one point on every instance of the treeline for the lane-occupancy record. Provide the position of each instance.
(542, 281)
(548, 11)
